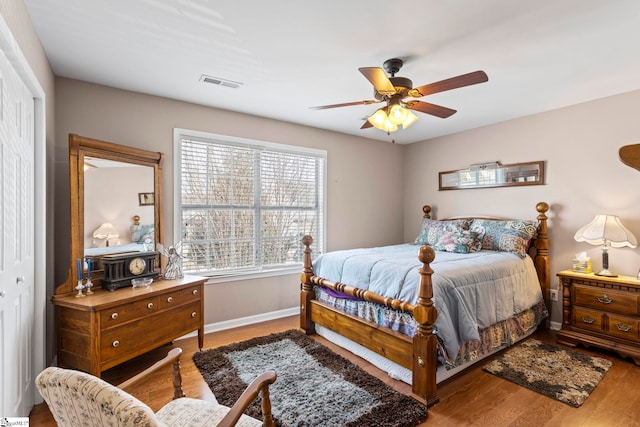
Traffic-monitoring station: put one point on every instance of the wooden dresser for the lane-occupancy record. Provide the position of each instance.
(107, 328)
(601, 311)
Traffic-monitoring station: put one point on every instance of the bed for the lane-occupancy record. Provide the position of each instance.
(379, 303)
(141, 239)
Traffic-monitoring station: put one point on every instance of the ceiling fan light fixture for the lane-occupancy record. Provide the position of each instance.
(378, 118)
(389, 127)
(398, 114)
(411, 119)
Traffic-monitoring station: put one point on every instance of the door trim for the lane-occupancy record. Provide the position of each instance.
(10, 48)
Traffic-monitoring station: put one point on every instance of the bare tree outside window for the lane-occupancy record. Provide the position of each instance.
(245, 207)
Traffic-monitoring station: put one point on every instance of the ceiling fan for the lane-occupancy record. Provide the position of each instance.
(393, 91)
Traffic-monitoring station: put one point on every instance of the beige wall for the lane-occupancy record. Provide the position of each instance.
(364, 177)
(15, 14)
(584, 176)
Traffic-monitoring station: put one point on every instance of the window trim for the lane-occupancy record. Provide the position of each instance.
(178, 133)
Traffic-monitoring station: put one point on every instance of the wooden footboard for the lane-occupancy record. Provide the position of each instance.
(419, 354)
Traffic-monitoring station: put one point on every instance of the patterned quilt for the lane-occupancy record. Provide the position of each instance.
(471, 291)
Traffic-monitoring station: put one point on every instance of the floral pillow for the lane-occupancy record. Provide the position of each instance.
(505, 236)
(432, 230)
(143, 233)
(459, 241)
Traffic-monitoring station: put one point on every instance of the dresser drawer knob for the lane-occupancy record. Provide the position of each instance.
(603, 299)
(114, 316)
(587, 319)
(623, 327)
(115, 343)
(150, 305)
(194, 292)
(194, 314)
(170, 299)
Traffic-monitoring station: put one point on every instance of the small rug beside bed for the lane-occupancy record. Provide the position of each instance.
(556, 372)
(315, 386)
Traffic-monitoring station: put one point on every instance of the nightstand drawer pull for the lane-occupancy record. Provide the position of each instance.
(115, 343)
(170, 299)
(194, 292)
(114, 316)
(150, 305)
(603, 299)
(623, 327)
(194, 314)
(587, 319)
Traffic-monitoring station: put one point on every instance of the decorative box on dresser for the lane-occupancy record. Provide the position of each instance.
(601, 311)
(107, 328)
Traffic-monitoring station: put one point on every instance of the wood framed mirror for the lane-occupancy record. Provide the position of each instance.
(111, 185)
(486, 175)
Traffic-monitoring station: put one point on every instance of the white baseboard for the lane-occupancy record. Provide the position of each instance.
(244, 321)
(556, 326)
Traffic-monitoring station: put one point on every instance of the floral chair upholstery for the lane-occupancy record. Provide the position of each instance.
(79, 399)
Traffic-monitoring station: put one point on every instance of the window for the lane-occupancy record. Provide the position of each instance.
(243, 205)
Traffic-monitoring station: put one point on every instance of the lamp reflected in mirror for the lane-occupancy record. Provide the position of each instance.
(106, 232)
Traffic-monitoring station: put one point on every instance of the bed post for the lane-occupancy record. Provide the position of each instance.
(541, 260)
(306, 289)
(424, 341)
(426, 209)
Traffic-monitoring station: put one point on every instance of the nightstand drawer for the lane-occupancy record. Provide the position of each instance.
(606, 299)
(623, 327)
(588, 319)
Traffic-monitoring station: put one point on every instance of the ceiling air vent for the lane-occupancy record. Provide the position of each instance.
(220, 82)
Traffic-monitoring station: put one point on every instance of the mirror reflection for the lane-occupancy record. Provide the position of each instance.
(115, 194)
(118, 207)
(484, 175)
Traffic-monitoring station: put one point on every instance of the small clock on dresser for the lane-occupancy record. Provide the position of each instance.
(120, 268)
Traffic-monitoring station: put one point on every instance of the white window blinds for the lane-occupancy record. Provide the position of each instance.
(245, 205)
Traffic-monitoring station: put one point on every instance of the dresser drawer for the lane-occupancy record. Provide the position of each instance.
(623, 327)
(129, 311)
(180, 296)
(606, 299)
(137, 337)
(588, 319)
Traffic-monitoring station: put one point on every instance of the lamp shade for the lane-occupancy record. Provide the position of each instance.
(106, 231)
(606, 229)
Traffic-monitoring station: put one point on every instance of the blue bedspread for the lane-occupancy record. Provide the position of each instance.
(471, 291)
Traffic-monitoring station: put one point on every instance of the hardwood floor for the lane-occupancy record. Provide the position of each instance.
(472, 398)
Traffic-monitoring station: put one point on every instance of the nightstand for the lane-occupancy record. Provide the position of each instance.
(601, 311)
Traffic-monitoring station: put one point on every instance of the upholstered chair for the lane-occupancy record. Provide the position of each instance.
(79, 399)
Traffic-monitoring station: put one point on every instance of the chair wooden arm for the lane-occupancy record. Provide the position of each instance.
(261, 383)
(172, 358)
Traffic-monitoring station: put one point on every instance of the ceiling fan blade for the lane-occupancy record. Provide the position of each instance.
(346, 104)
(379, 80)
(366, 125)
(433, 109)
(448, 84)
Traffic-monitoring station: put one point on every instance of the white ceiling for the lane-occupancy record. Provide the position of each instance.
(290, 55)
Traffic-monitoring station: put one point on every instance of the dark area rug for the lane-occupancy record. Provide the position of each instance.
(565, 375)
(315, 386)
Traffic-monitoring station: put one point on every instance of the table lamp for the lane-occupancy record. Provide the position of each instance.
(106, 231)
(606, 230)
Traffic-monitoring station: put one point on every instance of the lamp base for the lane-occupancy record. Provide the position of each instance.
(606, 273)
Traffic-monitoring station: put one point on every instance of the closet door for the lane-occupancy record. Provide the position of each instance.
(16, 243)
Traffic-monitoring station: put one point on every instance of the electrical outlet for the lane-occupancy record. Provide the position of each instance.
(554, 294)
